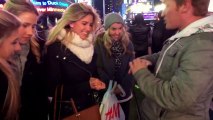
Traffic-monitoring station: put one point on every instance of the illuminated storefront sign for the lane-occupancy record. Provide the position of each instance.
(55, 5)
(150, 16)
(50, 5)
(50, 9)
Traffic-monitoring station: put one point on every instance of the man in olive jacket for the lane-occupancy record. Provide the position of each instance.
(182, 86)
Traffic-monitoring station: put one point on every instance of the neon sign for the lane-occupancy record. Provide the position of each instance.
(50, 9)
(50, 3)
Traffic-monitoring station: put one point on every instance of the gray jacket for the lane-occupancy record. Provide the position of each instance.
(182, 88)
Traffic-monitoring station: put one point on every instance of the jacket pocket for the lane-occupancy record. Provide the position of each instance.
(172, 51)
(169, 59)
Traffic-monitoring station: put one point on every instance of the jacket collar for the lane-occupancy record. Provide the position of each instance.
(202, 25)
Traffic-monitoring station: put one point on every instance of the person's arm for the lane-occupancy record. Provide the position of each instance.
(190, 80)
(52, 67)
(128, 81)
(99, 50)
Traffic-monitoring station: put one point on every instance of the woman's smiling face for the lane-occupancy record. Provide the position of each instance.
(83, 27)
(116, 31)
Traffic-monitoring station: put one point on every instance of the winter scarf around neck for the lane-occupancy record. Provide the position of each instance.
(83, 49)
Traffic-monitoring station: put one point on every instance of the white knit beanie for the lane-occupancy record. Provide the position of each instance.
(112, 18)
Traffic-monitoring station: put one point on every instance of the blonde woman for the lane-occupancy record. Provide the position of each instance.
(115, 50)
(28, 15)
(9, 45)
(71, 61)
(27, 63)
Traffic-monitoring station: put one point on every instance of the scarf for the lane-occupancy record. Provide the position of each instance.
(117, 51)
(83, 49)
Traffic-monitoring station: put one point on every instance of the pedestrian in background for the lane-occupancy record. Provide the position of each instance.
(160, 34)
(140, 33)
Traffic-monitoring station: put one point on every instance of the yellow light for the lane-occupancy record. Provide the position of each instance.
(159, 7)
(210, 9)
(140, 8)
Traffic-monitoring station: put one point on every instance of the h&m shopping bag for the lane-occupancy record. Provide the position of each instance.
(110, 108)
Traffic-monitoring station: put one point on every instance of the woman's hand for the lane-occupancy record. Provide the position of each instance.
(96, 84)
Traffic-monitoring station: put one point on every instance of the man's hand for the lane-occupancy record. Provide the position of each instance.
(138, 64)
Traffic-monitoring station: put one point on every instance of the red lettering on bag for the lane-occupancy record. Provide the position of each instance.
(113, 112)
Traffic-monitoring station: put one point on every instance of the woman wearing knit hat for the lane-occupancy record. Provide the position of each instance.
(115, 50)
(71, 62)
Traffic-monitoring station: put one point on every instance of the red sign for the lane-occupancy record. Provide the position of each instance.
(113, 112)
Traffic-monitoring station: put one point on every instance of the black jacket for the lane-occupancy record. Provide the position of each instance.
(34, 100)
(65, 68)
(3, 92)
(159, 35)
(140, 35)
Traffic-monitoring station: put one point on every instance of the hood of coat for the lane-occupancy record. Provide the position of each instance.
(202, 25)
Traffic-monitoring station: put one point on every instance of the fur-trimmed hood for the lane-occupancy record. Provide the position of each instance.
(202, 25)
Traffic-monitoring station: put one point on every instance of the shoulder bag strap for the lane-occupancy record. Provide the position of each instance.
(59, 87)
(74, 108)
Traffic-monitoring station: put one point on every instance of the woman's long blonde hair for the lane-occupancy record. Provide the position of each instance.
(73, 13)
(17, 7)
(9, 24)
